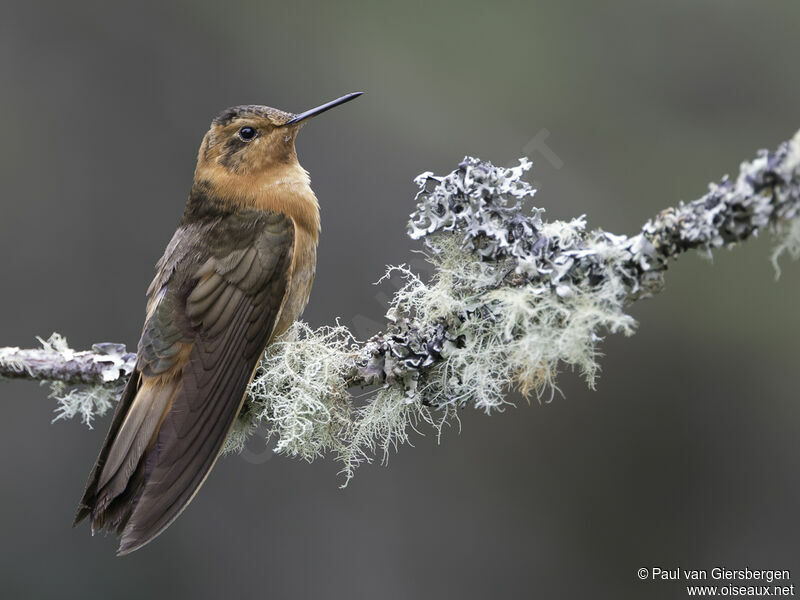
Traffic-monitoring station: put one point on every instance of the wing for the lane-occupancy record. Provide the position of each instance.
(210, 315)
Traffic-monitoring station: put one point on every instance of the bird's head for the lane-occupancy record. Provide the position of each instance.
(251, 139)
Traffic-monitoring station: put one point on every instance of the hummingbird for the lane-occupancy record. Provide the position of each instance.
(236, 274)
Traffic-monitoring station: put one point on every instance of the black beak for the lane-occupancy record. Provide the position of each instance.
(321, 109)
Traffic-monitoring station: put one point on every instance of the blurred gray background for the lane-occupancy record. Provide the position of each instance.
(687, 454)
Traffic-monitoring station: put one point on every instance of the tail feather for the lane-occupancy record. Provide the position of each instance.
(119, 474)
(159, 451)
(128, 447)
(136, 434)
(88, 504)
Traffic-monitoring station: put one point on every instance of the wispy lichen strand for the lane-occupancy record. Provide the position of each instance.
(512, 300)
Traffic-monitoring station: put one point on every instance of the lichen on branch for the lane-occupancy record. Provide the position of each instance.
(85, 384)
(512, 300)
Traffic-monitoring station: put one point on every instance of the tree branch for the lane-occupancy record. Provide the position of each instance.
(511, 298)
(56, 361)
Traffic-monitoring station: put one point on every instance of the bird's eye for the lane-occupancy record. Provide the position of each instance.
(247, 133)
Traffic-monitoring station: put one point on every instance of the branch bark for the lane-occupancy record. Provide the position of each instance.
(55, 361)
(481, 205)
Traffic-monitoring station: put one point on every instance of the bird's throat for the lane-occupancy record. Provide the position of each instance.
(284, 188)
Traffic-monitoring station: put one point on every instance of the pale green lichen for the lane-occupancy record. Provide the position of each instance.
(89, 400)
(11, 362)
(86, 401)
(522, 332)
(299, 391)
(788, 243)
(511, 337)
(57, 343)
(379, 425)
(300, 394)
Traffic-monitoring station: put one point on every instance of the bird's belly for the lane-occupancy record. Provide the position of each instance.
(304, 265)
